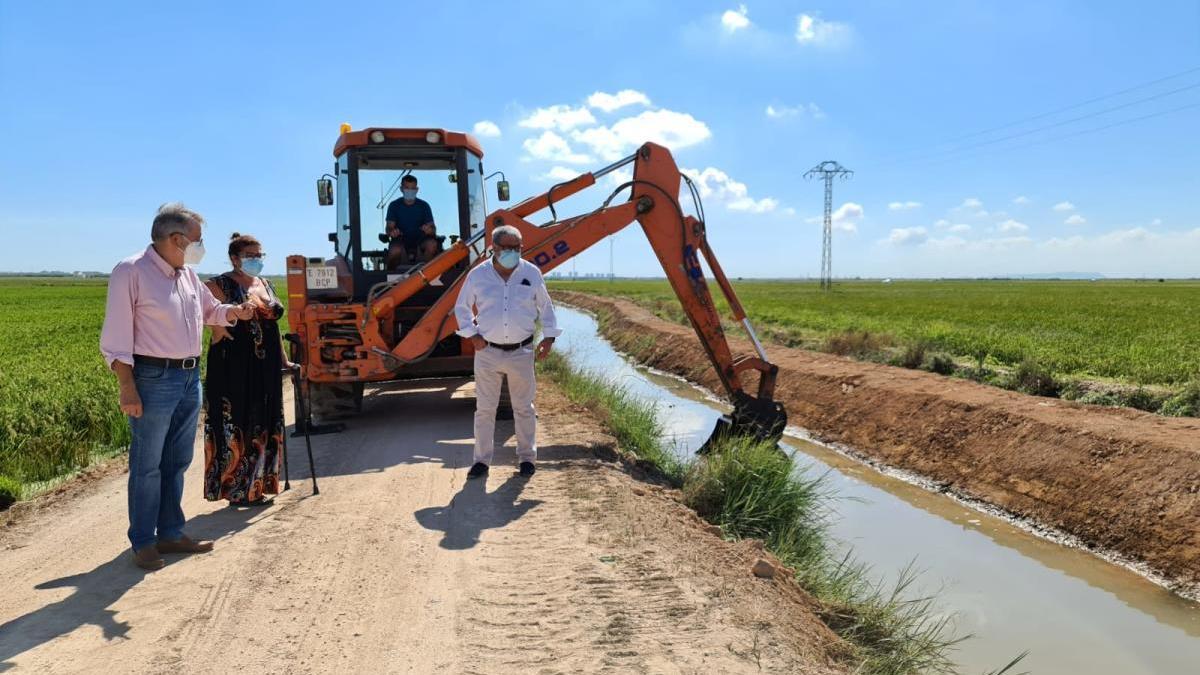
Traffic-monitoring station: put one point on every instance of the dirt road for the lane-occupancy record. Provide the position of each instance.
(401, 565)
(1118, 480)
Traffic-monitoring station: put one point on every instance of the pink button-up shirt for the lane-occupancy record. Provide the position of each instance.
(156, 310)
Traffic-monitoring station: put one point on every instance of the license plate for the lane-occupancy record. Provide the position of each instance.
(322, 278)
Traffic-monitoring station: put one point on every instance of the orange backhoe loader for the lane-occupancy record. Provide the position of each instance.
(357, 317)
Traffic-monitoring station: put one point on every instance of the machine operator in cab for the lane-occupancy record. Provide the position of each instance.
(413, 236)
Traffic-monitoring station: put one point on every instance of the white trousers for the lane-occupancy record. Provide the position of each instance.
(491, 365)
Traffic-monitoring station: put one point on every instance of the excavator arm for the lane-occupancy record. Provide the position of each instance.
(677, 239)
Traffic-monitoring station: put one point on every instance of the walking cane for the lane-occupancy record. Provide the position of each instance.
(287, 483)
(304, 405)
(304, 415)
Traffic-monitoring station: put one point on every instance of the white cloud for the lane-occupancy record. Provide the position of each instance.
(782, 111)
(1021, 200)
(1003, 243)
(716, 185)
(1011, 225)
(941, 223)
(971, 203)
(1075, 219)
(907, 236)
(559, 174)
(734, 21)
(846, 217)
(487, 129)
(675, 130)
(1156, 222)
(811, 30)
(1121, 237)
(1064, 206)
(611, 102)
(903, 206)
(789, 211)
(960, 228)
(561, 117)
(550, 146)
(947, 242)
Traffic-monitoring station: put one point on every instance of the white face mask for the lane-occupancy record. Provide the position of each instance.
(194, 253)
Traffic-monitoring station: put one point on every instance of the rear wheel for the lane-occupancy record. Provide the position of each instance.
(334, 400)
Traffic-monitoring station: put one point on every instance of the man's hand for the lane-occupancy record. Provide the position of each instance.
(478, 341)
(131, 403)
(543, 348)
(244, 311)
(393, 232)
(219, 333)
(429, 229)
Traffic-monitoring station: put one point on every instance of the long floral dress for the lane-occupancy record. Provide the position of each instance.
(243, 404)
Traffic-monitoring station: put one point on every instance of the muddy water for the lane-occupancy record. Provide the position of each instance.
(1015, 592)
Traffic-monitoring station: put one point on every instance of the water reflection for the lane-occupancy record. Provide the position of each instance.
(1074, 612)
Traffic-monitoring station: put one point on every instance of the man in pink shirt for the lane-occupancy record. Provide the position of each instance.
(153, 322)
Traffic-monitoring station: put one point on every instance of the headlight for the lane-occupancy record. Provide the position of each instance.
(433, 137)
(377, 136)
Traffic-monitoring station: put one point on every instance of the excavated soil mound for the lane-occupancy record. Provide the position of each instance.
(1118, 480)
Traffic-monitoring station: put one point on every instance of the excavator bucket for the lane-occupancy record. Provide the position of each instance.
(760, 419)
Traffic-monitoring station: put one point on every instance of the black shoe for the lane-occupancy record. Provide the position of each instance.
(479, 469)
(527, 469)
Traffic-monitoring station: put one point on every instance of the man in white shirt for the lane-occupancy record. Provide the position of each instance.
(497, 308)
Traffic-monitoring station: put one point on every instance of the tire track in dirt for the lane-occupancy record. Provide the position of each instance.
(401, 565)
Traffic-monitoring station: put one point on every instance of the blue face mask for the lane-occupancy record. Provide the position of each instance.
(409, 194)
(508, 258)
(252, 266)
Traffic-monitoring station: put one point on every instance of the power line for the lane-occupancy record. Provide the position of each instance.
(917, 155)
(1055, 125)
(1090, 101)
(1073, 134)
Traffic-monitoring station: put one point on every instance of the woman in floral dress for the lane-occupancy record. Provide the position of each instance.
(243, 389)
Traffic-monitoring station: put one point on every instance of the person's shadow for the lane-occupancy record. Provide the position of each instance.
(98, 590)
(474, 510)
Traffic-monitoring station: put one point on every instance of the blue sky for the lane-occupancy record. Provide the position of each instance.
(233, 108)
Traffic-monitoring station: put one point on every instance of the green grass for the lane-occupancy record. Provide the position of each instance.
(58, 407)
(58, 399)
(751, 490)
(634, 424)
(1134, 332)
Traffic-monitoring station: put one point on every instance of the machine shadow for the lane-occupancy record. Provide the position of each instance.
(408, 422)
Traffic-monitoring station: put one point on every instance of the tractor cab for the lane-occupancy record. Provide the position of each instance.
(371, 167)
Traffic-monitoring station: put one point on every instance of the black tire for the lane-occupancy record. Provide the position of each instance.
(504, 410)
(334, 400)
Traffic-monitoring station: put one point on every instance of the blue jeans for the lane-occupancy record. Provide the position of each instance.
(161, 451)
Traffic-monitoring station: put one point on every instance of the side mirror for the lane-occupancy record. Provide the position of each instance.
(324, 191)
(502, 190)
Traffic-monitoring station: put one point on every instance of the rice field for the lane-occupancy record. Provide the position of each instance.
(1132, 332)
(58, 399)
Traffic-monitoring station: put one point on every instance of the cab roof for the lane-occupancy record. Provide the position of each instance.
(406, 137)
